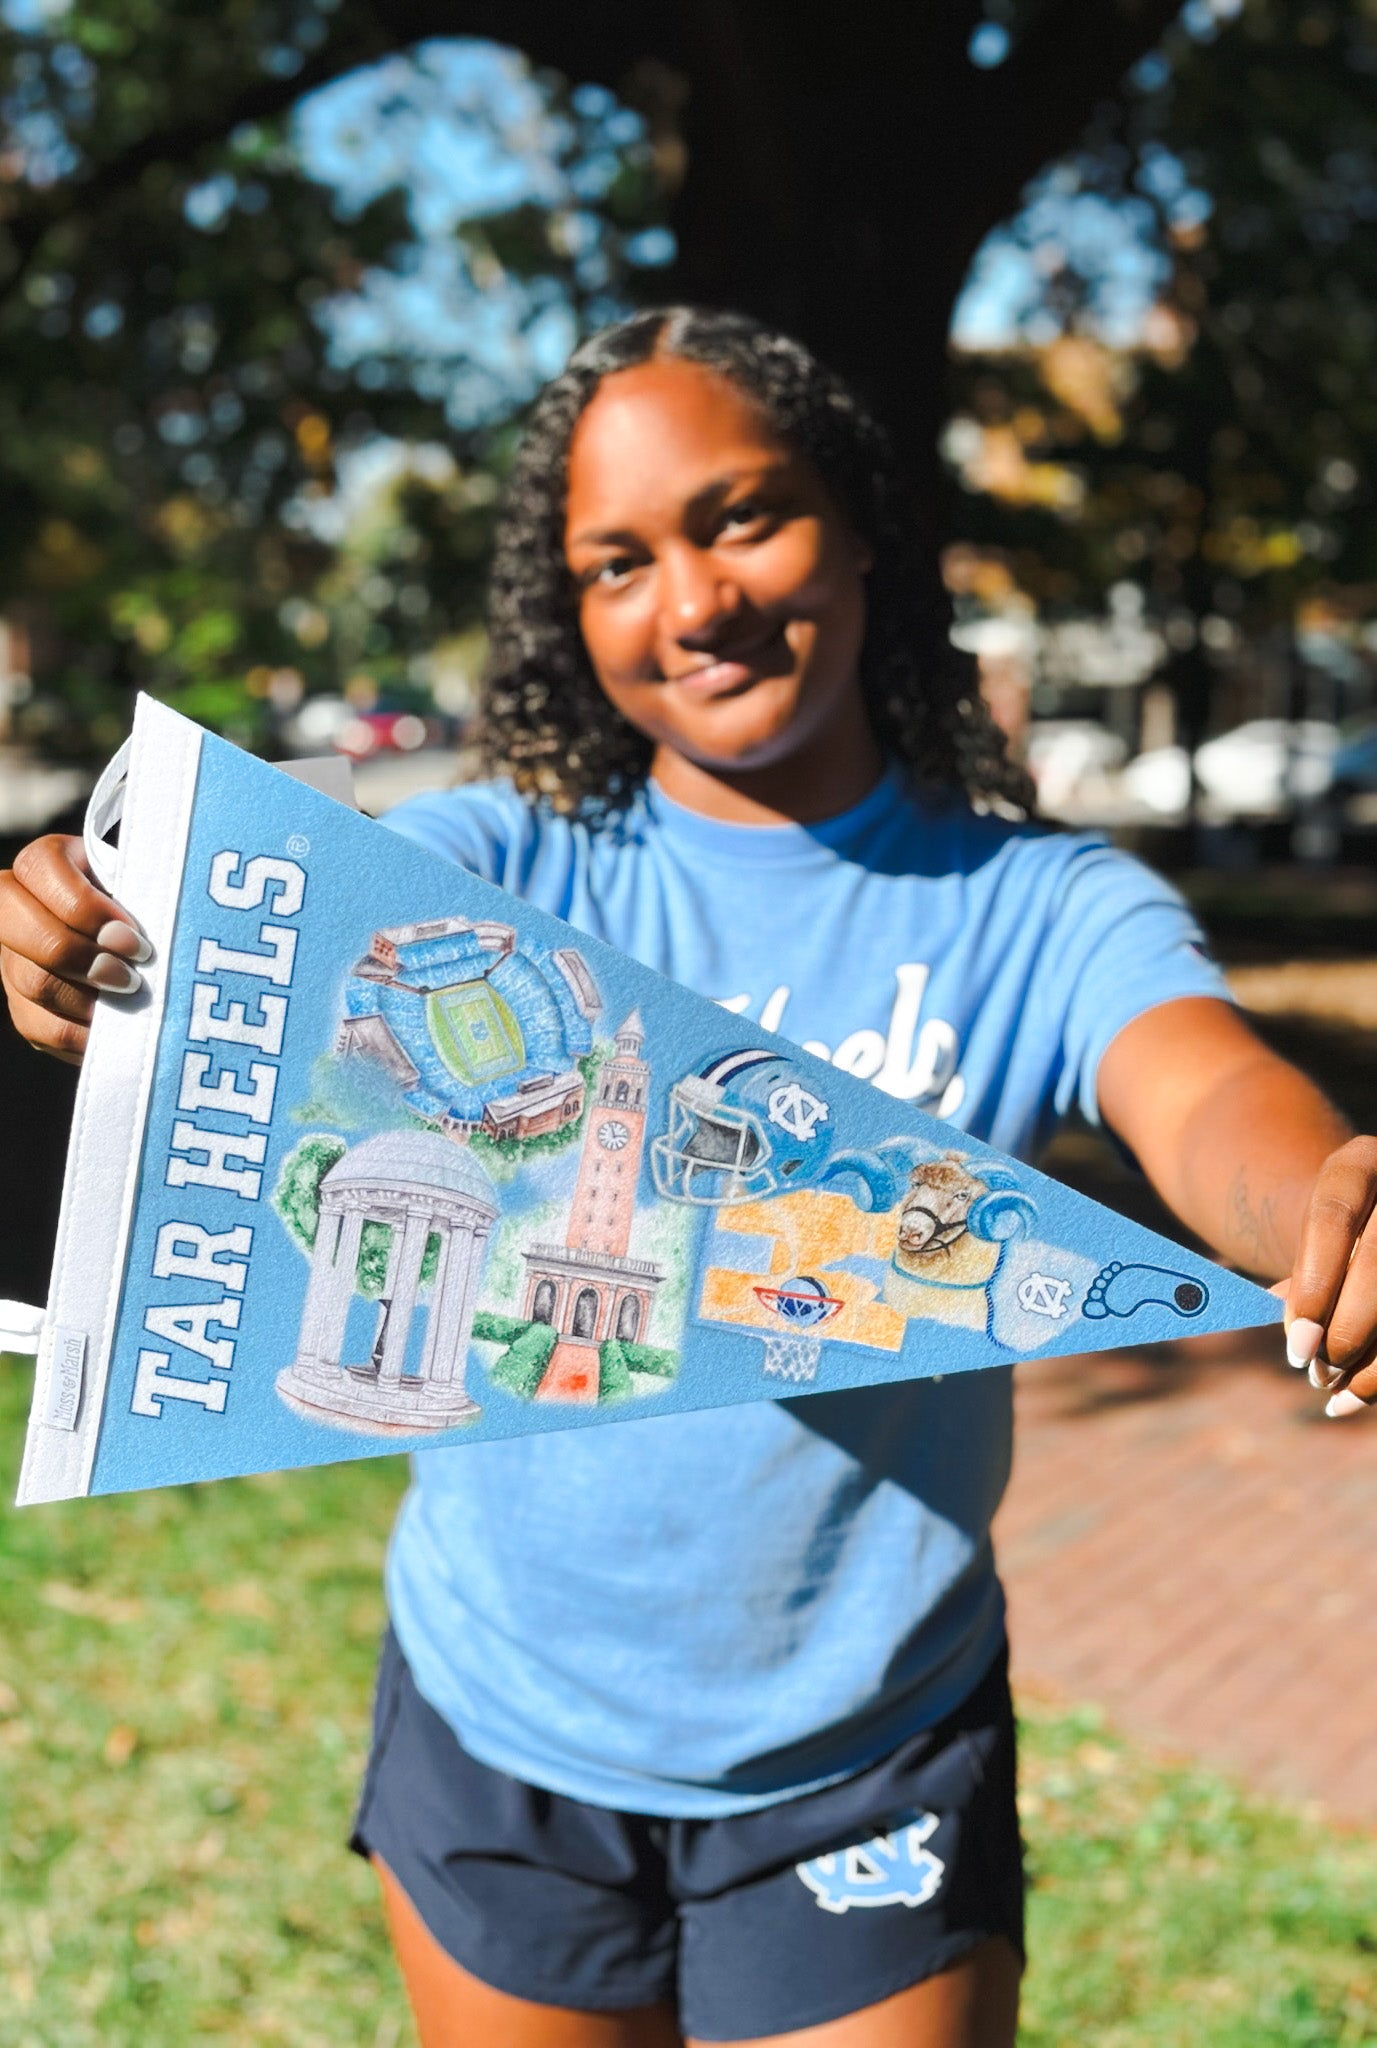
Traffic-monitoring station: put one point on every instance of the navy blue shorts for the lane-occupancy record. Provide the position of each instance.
(758, 1923)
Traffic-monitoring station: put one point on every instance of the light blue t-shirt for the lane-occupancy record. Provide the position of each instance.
(698, 1614)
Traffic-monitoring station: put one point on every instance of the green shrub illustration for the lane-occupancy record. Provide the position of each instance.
(494, 1329)
(622, 1364)
(296, 1199)
(614, 1377)
(528, 1346)
(651, 1359)
(521, 1368)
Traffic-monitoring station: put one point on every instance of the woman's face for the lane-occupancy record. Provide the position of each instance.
(721, 591)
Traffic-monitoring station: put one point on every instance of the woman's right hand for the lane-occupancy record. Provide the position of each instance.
(61, 940)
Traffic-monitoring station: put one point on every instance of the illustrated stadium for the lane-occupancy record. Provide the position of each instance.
(478, 1033)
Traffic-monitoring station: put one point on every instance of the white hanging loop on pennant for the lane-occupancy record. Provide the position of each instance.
(103, 813)
(20, 1327)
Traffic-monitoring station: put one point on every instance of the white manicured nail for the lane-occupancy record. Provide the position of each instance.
(1303, 1341)
(1324, 1376)
(115, 977)
(1344, 1404)
(123, 939)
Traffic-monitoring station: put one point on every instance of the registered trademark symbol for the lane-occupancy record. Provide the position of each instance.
(298, 843)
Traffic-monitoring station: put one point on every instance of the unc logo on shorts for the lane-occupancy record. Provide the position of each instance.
(888, 1870)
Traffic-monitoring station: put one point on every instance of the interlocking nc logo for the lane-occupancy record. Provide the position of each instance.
(888, 1870)
(1043, 1296)
(795, 1110)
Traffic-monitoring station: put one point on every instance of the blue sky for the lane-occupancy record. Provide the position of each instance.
(464, 129)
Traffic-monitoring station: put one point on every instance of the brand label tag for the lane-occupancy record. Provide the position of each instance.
(66, 1379)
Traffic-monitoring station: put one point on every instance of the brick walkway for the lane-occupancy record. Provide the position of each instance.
(572, 1374)
(1189, 1544)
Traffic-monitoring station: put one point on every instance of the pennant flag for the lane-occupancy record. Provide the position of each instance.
(382, 1158)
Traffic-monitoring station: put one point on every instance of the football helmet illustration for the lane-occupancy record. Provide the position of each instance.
(747, 1125)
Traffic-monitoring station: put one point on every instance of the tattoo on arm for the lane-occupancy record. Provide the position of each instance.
(1255, 1227)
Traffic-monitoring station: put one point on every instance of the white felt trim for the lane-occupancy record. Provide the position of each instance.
(103, 813)
(106, 1145)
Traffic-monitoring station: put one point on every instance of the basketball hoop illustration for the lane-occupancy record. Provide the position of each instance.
(802, 1296)
(802, 1305)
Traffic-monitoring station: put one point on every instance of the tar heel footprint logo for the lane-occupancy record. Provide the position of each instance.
(888, 1870)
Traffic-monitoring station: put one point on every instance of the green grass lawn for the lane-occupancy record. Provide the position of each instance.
(184, 1694)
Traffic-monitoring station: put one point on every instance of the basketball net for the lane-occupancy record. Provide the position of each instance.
(792, 1354)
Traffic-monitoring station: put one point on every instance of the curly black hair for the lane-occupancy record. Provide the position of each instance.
(545, 722)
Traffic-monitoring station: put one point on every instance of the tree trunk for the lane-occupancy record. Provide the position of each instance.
(816, 197)
(844, 167)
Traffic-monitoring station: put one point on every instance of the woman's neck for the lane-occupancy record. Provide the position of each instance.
(816, 782)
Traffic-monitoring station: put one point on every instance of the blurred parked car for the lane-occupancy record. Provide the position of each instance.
(1069, 758)
(1355, 763)
(390, 732)
(331, 724)
(312, 728)
(1160, 781)
(1262, 769)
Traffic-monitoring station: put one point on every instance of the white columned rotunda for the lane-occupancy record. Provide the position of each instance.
(421, 1186)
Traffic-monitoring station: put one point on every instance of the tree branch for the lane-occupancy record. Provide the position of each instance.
(179, 142)
(597, 41)
(1035, 107)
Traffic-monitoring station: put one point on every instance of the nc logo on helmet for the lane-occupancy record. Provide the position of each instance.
(795, 1110)
(743, 1127)
(888, 1870)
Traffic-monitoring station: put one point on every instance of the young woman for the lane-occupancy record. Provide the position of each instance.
(657, 1694)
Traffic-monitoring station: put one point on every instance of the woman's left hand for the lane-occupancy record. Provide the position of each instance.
(1331, 1296)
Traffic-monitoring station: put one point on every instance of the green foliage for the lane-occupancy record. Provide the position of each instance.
(614, 1377)
(521, 1368)
(296, 1197)
(375, 1243)
(1159, 1892)
(494, 1329)
(1223, 472)
(375, 1249)
(665, 1233)
(504, 1276)
(204, 301)
(225, 286)
(184, 1710)
(623, 1361)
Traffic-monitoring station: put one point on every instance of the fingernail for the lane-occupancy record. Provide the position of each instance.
(1303, 1340)
(1344, 1404)
(116, 977)
(124, 939)
(1324, 1376)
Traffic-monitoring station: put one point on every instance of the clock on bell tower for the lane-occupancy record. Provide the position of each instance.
(605, 1195)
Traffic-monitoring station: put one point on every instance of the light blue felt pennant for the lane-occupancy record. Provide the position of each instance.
(385, 1158)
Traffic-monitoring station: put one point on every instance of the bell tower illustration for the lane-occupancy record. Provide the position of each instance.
(592, 1288)
(605, 1196)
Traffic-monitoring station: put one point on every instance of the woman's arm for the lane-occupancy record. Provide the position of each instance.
(1255, 1159)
